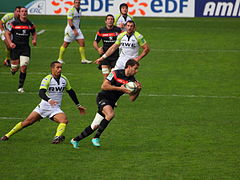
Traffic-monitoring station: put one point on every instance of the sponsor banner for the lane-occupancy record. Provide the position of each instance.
(217, 8)
(148, 8)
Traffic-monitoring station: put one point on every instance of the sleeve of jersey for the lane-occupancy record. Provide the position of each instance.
(68, 86)
(6, 18)
(140, 39)
(45, 82)
(119, 38)
(70, 14)
(110, 77)
(116, 19)
(98, 37)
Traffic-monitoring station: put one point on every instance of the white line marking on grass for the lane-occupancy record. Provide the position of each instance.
(147, 95)
(199, 50)
(41, 32)
(168, 50)
(42, 73)
(10, 118)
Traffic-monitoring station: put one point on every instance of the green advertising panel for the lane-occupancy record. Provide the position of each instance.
(9, 5)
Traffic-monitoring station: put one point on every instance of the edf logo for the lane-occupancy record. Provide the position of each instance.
(168, 6)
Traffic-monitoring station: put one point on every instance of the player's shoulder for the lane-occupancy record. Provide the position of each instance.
(71, 11)
(117, 16)
(122, 34)
(64, 77)
(47, 77)
(7, 17)
(117, 29)
(138, 35)
(130, 16)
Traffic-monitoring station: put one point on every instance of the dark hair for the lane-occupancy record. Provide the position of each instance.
(131, 62)
(17, 7)
(131, 21)
(52, 65)
(122, 5)
(108, 16)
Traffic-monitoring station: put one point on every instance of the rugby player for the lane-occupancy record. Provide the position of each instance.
(73, 32)
(18, 39)
(108, 35)
(4, 25)
(112, 89)
(130, 42)
(122, 18)
(51, 92)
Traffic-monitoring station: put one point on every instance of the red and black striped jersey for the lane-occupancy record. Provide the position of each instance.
(108, 37)
(116, 78)
(21, 31)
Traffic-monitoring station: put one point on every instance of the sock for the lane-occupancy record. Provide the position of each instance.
(61, 53)
(60, 129)
(7, 53)
(82, 52)
(22, 77)
(16, 128)
(101, 128)
(88, 131)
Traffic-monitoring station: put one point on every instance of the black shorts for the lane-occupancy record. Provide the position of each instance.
(110, 61)
(101, 102)
(20, 50)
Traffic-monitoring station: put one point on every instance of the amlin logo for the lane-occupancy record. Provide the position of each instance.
(222, 8)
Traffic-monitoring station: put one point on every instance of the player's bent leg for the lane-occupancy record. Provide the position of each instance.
(62, 120)
(81, 43)
(109, 114)
(33, 117)
(24, 61)
(62, 51)
(14, 66)
(105, 70)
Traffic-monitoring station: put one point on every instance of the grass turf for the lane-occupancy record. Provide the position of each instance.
(185, 124)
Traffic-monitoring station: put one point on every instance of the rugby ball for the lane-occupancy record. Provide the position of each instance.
(131, 86)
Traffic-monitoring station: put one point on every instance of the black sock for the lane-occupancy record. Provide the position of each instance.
(22, 77)
(88, 131)
(101, 128)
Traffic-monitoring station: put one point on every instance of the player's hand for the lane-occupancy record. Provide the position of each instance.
(12, 45)
(82, 110)
(34, 42)
(139, 85)
(121, 25)
(98, 61)
(125, 90)
(52, 102)
(75, 32)
(100, 50)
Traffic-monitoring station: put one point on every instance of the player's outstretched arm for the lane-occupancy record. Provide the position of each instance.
(73, 96)
(109, 52)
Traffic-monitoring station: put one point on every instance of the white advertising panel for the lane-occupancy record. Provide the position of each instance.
(148, 8)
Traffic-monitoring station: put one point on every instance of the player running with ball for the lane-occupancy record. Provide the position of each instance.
(112, 89)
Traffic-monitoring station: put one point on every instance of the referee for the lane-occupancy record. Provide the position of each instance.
(20, 31)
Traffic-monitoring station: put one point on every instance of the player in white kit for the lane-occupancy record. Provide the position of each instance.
(130, 42)
(73, 32)
(51, 92)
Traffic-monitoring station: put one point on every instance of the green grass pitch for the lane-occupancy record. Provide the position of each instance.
(184, 125)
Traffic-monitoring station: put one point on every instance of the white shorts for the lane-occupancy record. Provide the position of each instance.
(69, 35)
(49, 113)
(121, 62)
